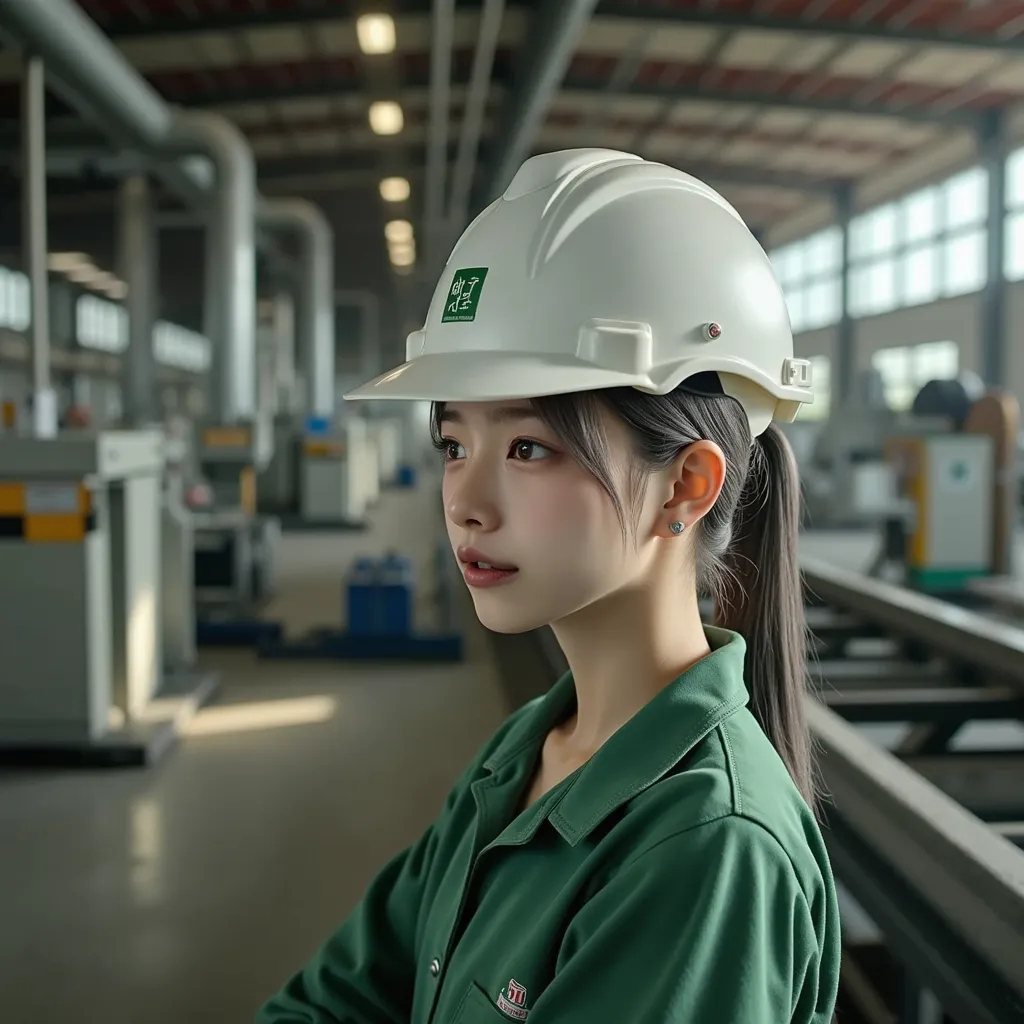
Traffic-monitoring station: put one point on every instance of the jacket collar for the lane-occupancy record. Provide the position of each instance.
(648, 746)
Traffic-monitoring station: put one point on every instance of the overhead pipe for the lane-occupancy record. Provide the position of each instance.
(229, 303)
(473, 118)
(92, 75)
(437, 150)
(551, 42)
(34, 245)
(137, 256)
(315, 307)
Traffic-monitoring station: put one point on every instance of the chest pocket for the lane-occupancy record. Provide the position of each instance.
(478, 1008)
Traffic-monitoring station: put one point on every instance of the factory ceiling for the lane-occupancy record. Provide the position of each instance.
(775, 102)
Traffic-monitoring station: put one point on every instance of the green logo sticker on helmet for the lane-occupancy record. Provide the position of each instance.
(464, 296)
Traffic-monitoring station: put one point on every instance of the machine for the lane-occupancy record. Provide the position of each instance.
(326, 475)
(235, 548)
(953, 477)
(845, 477)
(80, 585)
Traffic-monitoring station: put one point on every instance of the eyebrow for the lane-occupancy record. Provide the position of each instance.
(499, 414)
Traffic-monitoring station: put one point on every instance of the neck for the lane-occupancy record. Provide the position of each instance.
(622, 651)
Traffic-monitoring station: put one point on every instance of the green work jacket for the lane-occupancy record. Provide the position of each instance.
(677, 877)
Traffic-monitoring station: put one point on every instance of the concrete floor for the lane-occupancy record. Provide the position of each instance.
(189, 891)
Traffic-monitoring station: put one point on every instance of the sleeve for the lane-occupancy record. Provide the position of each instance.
(363, 974)
(708, 926)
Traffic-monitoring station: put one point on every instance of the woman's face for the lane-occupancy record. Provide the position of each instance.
(512, 494)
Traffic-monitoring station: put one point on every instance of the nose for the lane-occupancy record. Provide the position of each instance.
(470, 498)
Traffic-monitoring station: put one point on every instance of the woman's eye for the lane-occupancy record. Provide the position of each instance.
(530, 451)
(453, 450)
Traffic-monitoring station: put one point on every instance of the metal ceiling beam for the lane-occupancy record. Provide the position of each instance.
(473, 118)
(670, 14)
(723, 174)
(768, 100)
(335, 90)
(439, 125)
(551, 41)
(666, 12)
(757, 177)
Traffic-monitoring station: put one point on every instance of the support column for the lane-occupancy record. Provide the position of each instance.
(992, 145)
(844, 365)
(138, 269)
(34, 243)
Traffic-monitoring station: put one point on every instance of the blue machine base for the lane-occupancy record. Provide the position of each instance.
(332, 644)
(237, 632)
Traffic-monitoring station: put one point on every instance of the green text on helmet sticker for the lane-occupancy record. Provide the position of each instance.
(464, 296)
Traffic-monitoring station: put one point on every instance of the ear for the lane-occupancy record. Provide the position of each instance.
(696, 477)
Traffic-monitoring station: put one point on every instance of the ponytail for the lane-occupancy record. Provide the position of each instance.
(745, 545)
(763, 601)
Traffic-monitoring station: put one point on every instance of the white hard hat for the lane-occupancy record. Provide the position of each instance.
(598, 269)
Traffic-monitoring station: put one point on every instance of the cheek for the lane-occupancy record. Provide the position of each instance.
(566, 523)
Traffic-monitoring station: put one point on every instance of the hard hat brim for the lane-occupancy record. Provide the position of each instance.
(487, 377)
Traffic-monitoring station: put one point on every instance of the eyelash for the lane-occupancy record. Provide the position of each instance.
(443, 446)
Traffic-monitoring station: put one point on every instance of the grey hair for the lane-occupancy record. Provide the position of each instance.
(745, 546)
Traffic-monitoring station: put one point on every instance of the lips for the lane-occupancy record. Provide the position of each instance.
(473, 556)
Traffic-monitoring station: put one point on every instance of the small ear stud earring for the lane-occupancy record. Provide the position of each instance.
(677, 527)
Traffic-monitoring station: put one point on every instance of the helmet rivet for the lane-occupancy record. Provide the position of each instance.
(712, 331)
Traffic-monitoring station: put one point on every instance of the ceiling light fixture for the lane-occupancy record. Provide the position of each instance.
(376, 33)
(65, 261)
(394, 190)
(84, 273)
(398, 231)
(403, 256)
(386, 117)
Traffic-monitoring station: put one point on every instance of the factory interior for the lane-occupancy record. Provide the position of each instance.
(239, 667)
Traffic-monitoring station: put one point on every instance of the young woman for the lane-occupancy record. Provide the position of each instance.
(606, 352)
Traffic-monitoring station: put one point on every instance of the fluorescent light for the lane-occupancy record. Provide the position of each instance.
(386, 117)
(402, 247)
(398, 231)
(394, 190)
(115, 288)
(84, 274)
(376, 33)
(64, 261)
(402, 255)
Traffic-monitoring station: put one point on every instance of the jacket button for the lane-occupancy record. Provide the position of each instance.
(435, 967)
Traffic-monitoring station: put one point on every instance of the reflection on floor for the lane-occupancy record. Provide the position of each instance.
(189, 891)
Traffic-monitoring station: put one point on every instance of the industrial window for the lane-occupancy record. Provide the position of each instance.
(100, 325)
(906, 370)
(1013, 244)
(808, 271)
(178, 347)
(925, 246)
(15, 307)
(821, 383)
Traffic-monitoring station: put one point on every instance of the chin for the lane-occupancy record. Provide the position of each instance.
(506, 616)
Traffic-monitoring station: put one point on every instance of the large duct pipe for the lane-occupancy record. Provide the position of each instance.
(92, 75)
(87, 71)
(229, 303)
(137, 256)
(315, 307)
